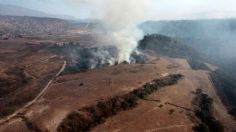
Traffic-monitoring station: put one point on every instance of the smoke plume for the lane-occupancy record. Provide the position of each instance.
(120, 18)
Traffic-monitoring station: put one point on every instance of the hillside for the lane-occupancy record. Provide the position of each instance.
(30, 25)
(12, 10)
(223, 78)
(24, 71)
(174, 48)
(212, 37)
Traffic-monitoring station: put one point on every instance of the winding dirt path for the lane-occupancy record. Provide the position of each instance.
(25, 107)
(169, 127)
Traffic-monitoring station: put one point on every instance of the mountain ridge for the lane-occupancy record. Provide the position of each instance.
(12, 10)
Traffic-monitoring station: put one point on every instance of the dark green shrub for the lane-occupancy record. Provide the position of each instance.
(201, 128)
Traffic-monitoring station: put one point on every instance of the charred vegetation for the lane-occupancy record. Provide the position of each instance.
(81, 59)
(204, 112)
(225, 85)
(167, 46)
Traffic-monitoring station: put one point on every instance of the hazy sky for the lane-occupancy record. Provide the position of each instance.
(161, 9)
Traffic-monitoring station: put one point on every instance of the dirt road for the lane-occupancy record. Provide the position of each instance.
(25, 107)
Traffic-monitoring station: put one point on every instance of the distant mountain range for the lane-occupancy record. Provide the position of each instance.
(213, 14)
(201, 28)
(12, 10)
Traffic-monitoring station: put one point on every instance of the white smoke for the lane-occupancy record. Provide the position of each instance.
(120, 18)
(126, 41)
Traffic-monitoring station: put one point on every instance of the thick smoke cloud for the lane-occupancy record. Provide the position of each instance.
(120, 18)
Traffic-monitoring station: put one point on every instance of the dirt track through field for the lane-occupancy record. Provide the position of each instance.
(25, 107)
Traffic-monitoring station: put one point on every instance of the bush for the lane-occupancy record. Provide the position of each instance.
(171, 111)
(199, 91)
(161, 106)
(201, 128)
